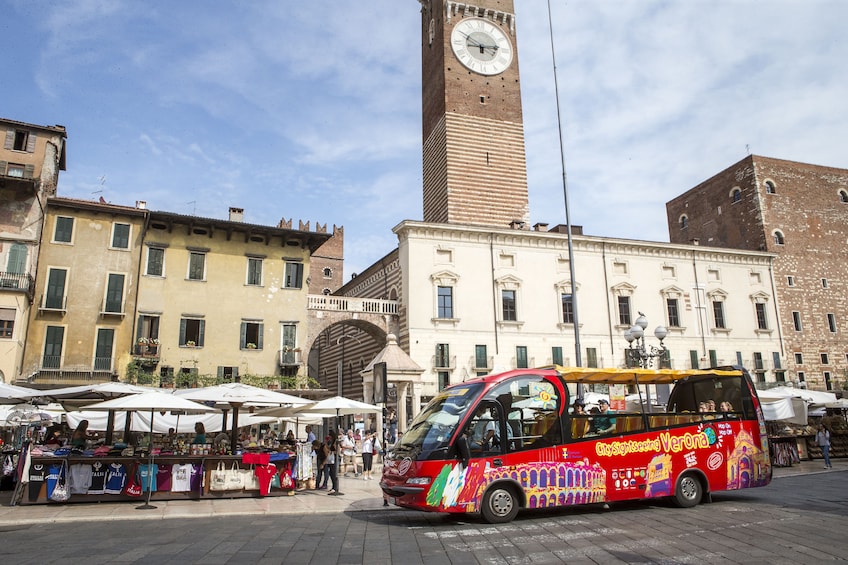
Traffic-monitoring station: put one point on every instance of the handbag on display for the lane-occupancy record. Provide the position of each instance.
(8, 466)
(133, 487)
(235, 480)
(61, 492)
(218, 478)
(251, 481)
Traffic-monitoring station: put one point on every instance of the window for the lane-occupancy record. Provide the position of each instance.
(825, 360)
(790, 281)
(64, 229)
(53, 338)
(673, 313)
(824, 283)
(796, 321)
(624, 317)
(802, 377)
(289, 344)
(521, 357)
(120, 236)
(713, 358)
(442, 358)
(758, 362)
(556, 355)
(196, 266)
(294, 275)
(799, 358)
(254, 271)
(828, 384)
(445, 302)
(7, 322)
(328, 273)
(444, 379)
(778, 238)
(770, 187)
(114, 294)
(147, 335)
(567, 309)
(103, 350)
(481, 358)
(251, 335)
(693, 359)
(736, 195)
(155, 262)
(775, 359)
(684, 222)
(510, 313)
(718, 314)
(228, 374)
(192, 331)
(762, 320)
(17, 263)
(843, 196)
(54, 299)
(831, 323)
(739, 358)
(591, 357)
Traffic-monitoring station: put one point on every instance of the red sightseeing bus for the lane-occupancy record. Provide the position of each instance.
(499, 443)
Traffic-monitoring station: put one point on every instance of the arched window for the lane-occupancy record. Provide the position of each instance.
(770, 187)
(328, 273)
(843, 196)
(684, 222)
(736, 195)
(778, 238)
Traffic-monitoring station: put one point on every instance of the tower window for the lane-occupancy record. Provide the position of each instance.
(684, 222)
(778, 238)
(736, 195)
(843, 196)
(770, 187)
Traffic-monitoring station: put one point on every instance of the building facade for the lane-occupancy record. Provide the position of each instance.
(799, 212)
(159, 298)
(30, 161)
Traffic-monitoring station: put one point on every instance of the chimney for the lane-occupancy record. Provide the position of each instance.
(695, 241)
(236, 214)
(540, 226)
(141, 204)
(516, 225)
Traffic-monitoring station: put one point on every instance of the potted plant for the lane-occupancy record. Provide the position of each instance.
(189, 343)
(251, 346)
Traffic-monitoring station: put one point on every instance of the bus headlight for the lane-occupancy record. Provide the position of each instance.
(419, 481)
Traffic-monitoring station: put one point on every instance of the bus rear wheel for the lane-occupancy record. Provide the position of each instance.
(689, 491)
(500, 505)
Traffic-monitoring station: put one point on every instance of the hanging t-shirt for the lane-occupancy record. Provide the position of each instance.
(116, 478)
(37, 475)
(197, 477)
(148, 474)
(55, 474)
(181, 477)
(163, 478)
(98, 478)
(79, 478)
(265, 474)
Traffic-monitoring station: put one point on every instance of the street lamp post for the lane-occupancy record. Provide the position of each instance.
(642, 354)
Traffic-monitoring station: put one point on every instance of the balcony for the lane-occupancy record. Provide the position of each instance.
(443, 362)
(17, 282)
(486, 364)
(59, 370)
(351, 304)
(112, 308)
(53, 303)
(290, 357)
(146, 354)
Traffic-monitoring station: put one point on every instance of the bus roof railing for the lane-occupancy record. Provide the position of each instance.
(631, 376)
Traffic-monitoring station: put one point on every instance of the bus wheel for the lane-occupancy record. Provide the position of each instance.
(689, 491)
(499, 505)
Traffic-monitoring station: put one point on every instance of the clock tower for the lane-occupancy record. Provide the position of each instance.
(475, 170)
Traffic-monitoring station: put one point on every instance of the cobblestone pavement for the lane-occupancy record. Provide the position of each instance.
(799, 518)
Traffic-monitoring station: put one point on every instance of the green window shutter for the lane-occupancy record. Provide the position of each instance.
(260, 338)
(243, 335)
(201, 332)
(220, 372)
(183, 331)
(17, 259)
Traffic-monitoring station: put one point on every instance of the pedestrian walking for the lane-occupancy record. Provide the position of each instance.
(348, 445)
(370, 448)
(823, 441)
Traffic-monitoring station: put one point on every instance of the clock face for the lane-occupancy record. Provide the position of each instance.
(482, 46)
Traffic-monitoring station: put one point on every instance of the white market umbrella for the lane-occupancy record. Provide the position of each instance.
(237, 395)
(154, 401)
(13, 394)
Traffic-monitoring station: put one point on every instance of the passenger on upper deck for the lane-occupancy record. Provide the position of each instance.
(603, 422)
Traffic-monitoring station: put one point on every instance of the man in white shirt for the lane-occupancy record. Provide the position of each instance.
(348, 445)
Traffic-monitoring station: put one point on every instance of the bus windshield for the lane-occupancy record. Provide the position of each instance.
(431, 430)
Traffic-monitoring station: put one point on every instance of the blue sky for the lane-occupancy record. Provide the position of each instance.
(311, 110)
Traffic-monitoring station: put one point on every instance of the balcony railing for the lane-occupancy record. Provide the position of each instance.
(52, 303)
(351, 304)
(112, 308)
(444, 362)
(289, 357)
(57, 369)
(17, 282)
(486, 364)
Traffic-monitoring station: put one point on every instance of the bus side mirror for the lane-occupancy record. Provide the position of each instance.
(463, 449)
